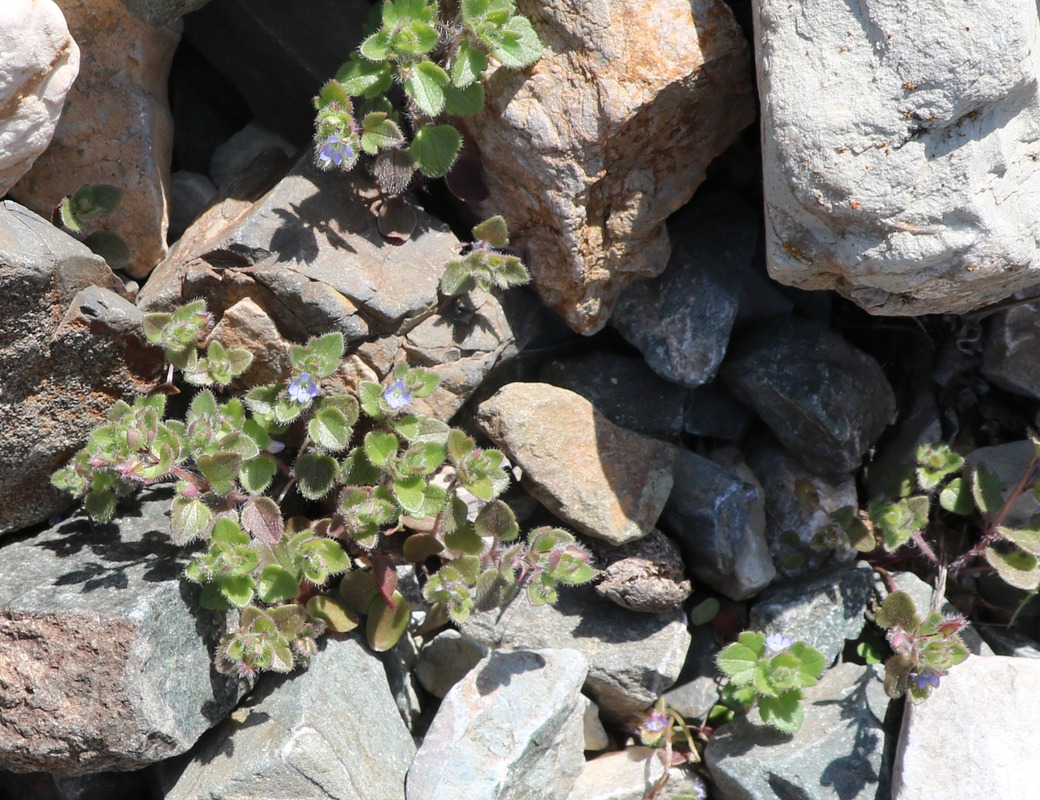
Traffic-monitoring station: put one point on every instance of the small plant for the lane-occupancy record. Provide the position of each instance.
(485, 265)
(770, 672)
(663, 728)
(88, 204)
(924, 650)
(439, 64)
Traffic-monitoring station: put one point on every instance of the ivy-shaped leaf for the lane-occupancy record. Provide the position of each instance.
(315, 474)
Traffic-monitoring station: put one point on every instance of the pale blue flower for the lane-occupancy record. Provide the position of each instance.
(397, 395)
(656, 721)
(925, 679)
(302, 389)
(333, 151)
(777, 642)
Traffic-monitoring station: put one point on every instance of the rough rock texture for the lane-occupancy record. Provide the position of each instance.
(1011, 355)
(511, 729)
(901, 155)
(629, 774)
(445, 660)
(587, 152)
(993, 693)
(69, 349)
(91, 623)
(161, 12)
(645, 575)
(681, 320)
(839, 751)
(609, 483)
(826, 401)
(331, 731)
(116, 127)
(632, 657)
(40, 62)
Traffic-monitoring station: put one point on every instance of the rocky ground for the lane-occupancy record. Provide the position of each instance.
(694, 359)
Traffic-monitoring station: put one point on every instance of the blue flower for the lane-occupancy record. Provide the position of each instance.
(333, 151)
(777, 642)
(302, 389)
(397, 395)
(925, 679)
(655, 722)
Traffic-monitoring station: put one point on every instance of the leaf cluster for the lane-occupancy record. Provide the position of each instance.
(485, 265)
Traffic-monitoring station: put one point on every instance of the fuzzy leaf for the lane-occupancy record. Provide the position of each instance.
(738, 659)
(463, 102)
(237, 589)
(376, 47)
(1026, 538)
(1017, 568)
(784, 713)
(956, 497)
(220, 470)
(189, 520)
(379, 446)
(315, 474)
(410, 493)
(425, 85)
(257, 473)
(380, 133)
(361, 78)
(498, 520)
(328, 427)
(456, 279)
(385, 626)
(494, 231)
(94, 201)
(518, 46)
(100, 505)
(369, 394)
(277, 584)
(469, 65)
(434, 148)
(898, 610)
(336, 615)
(262, 517)
(987, 489)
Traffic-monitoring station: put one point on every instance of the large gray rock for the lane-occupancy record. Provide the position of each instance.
(106, 656)
(630, 774)
(161, 12)
(826, 401)
(608, 482)
(839, 751)
(681, 320)
(332, 732)
(900, 150)
(69, 348)
(1010, 350)
(40, 62)
(588, 151)
(998, 695)
(511, 729)
(632, 657)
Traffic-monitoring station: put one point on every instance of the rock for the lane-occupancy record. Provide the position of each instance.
(632, 657)
(899, 154)
(69, 347)
(594, 734)
(822, 612)
(276, 57)
(247, 326)
(681, 321)
(283, 742)
(161, 12)
(630, 774)
(512, 728)
(839, 751)
(713, 412)
(1009, 355)
(696, 691)
(644, 575)
(190, 195)
(826, 401)
(625, 390)
(91, 622)
(99, 786)
(608, 482)
(718, 520)
(991, 692)
(233, 156)
(799, 507)
(41, 61)
(116, 127)
(445, 660)
(589, 150)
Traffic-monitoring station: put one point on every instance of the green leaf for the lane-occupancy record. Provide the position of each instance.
(518, 46)
(332, 92)
(240, 444)
(220, 470)
(498, 520)
(468, 66)
(422, 38)
(94, 201)
(257, 473)
(238, 589)
(286, 411)
(434, 148)
(705, 611)
(812, 663)
(738, 659)
(189, 520)
(425, 85)
(365, 78)
(784, 713)
(463, 102)
(1026, 538)
(204, 404)
(987, 489)
(328, 427)
(935, 463)
(379, 447)
(898, 610)
(369, 394)
(100, 505)
(111, 247)
(456, 279)
(385, 626)
(465, 539)
(410, 493)
(1017, 568)
(358, 589)
(395, 11)
(315, 474)
(494, 231)
(380, 133)
(262, 517)
(956, 497)
(328, 352)
(277, 584)
(375, 48)
(336, 615)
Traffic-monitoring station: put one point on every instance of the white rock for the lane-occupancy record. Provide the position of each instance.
(39, 60)
(937, 756)
(902, 151)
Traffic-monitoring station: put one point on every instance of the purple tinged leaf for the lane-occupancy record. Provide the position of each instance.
(263, 519)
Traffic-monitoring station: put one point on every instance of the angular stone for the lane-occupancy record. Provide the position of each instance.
(190, 194)
(69, 347)
(235, 155)
(1010, 347)
(625, 390)
(536, 697)
(445, 660)
(823, 612)
(589, 150)
(91, 622)
(161, 12)
(696, 691)
(283, 742)
(632, 657)
(247, 326)
(41, 61)
(718, 520)
(839, 751)
(681, 320)
(712, 411)
(998, 694)
(116, 127)
(901, 153)
(644, 575)
(609, 483)
(826, 401)
(630, 774)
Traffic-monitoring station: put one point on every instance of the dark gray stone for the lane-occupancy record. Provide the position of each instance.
(826, 401)
(331, 731)
(190, 194)
(714, 412)
(1011, 350)
(681, 320)
(696, 691)
(161, 12)
(625, 390)
(106, 658)
(838, 753)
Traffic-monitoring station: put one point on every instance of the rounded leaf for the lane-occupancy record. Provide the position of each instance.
(336, 615)
(385, 625)
(434, 148)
